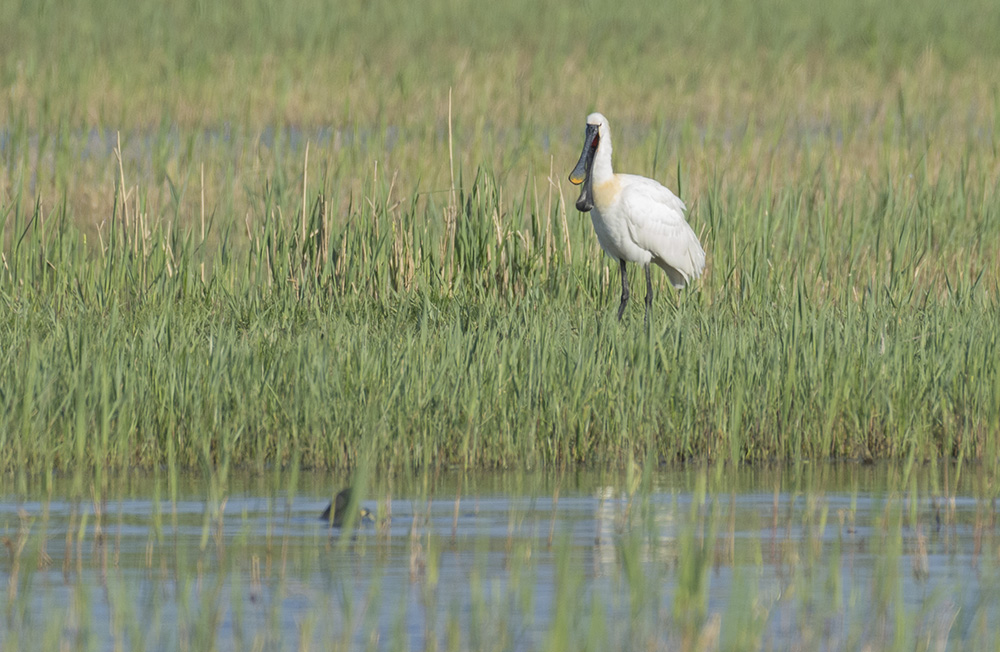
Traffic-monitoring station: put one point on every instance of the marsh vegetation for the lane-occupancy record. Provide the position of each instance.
(253, 240)
(298, 237)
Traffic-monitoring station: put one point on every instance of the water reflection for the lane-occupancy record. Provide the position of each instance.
(834, 557)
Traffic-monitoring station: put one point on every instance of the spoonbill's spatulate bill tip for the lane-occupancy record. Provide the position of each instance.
(636, 219)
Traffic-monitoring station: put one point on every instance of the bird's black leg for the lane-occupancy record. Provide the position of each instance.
(649, 293)
(621, 308)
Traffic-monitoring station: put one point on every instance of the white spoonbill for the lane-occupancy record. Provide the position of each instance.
(635, 218)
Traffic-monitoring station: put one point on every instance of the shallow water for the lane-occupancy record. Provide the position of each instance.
(827, 557)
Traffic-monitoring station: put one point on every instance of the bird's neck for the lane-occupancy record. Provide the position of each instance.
(602, 171)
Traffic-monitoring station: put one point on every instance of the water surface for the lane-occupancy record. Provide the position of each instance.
(815, 557)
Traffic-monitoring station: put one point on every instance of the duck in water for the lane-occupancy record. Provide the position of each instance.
(336, 512)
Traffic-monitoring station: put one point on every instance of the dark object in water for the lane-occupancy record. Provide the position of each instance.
(339, 509)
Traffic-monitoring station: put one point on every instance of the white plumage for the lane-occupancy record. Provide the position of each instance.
(636, 219)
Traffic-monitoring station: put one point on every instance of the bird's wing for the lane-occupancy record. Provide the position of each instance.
(656, 223)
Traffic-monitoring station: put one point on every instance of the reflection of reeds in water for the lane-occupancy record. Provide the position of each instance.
(15, 548)
(689, 572)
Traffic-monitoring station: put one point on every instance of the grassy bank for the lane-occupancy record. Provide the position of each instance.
(286, 237)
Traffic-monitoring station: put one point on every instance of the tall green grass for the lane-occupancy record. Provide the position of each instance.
(864, 331)
(197, 270)
(516, 63)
